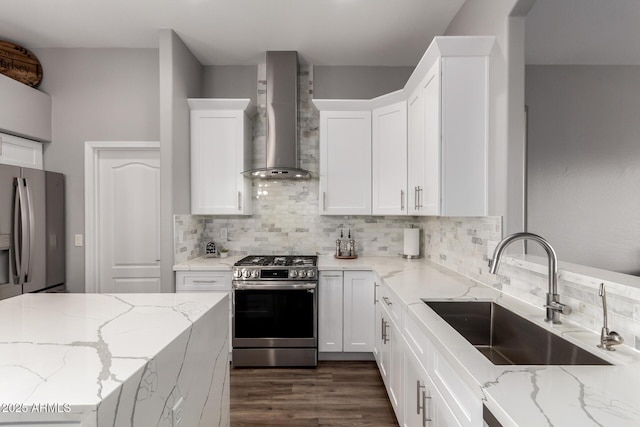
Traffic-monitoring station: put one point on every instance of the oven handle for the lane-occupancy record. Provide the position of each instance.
(273, 286)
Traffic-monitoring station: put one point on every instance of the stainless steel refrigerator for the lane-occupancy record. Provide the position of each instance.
(32, 234)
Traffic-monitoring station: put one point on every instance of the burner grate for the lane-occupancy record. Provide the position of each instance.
(278, 261)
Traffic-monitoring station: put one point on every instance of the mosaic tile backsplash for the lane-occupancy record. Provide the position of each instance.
(285, 220)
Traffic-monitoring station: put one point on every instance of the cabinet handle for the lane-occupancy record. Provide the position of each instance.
(401, 200)
(425, 419)
(386, 300)
(415, 198)
(385, 337)
(324, 201)
(204, 281)
(419, 405)
(420, 189)
(239, 200)
(375, 292)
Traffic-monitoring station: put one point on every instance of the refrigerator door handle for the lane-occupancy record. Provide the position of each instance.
(16, 226)
(31, 233)
(19, 231)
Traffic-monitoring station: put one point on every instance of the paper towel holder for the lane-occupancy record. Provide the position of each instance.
(412, 256)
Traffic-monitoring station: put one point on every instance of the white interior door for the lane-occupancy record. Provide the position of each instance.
(128, 221)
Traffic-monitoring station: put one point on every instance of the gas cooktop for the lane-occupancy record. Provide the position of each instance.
(278, 261)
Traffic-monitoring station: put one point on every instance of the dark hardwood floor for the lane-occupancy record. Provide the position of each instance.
(333, 394)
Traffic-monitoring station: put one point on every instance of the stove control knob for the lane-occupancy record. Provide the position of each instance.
(255, 274)
(311, 273)
(293, 274)
(237, 274)
(246, 273)
(302, 273)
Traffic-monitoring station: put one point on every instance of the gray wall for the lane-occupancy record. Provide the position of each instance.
(181, 76)
(584, 162)
(231, 81)
(97, 95)
(354, 82)
(503, 19)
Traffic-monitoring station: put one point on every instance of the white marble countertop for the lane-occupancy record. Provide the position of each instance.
(516, 395)
(73, 350)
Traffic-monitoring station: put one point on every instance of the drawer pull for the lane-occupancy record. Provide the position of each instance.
(386, 300)
(204, 281)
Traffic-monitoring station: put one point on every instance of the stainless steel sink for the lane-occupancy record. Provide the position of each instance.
(506, 338)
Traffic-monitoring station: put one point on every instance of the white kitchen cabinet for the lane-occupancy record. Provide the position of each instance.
(330, 311)
(207, 281)
(359, 311)
(389, 171)
(464, 135)
(345, 160)
(424, 146)
(220, 152)
(21, 152)
(345, 311)
(448, 128)
(423, 403)
(389, 347)
(389, 350)
(382, 351)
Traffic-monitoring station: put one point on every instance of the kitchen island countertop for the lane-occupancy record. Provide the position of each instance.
(113, 359)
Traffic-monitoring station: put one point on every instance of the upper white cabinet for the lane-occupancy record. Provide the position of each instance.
(424, 146)
(448, 128)
(220, 152)
(345, 159)
(390, 159)
(425, 152)
(20, 152)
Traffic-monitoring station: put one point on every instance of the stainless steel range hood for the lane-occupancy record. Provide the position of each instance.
(282, 119)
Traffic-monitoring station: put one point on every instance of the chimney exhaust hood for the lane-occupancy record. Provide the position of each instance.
(282, 119)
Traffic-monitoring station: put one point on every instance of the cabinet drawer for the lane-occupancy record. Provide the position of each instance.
(390, 303)
(203, 281)
(463, 403)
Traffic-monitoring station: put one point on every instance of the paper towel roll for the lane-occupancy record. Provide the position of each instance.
(411, 242)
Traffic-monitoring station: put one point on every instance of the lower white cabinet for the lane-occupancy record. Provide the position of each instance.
(345, 311)
(388, 354)
(206, 281)
(423, 404)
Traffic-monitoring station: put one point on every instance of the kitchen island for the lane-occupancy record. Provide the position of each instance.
(516, 395)
(114, 359)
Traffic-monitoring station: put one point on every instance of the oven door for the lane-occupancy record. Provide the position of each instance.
(275, 314)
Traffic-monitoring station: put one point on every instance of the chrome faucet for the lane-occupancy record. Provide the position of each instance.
(607, 339)
(554, 306)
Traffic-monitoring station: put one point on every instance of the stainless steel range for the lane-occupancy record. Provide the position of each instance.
(275, 311)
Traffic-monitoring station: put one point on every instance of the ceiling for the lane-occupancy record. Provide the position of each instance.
(238, 32)
(583, 32)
